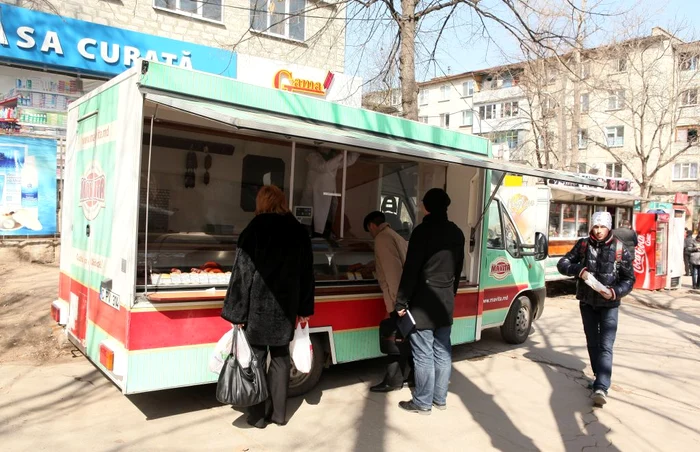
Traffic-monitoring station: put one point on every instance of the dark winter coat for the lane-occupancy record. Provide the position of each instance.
(431, 273)
(628, 237)
(599, 261)
(689, 245)
(272, 280)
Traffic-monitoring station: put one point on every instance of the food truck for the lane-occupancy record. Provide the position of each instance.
(162, 169)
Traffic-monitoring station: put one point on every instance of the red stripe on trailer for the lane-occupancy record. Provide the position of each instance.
(112, 321)
(160, 329)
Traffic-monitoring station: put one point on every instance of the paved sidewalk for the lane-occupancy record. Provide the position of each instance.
(502, 397)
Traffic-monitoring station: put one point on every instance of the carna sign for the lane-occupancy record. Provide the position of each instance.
(85, 47)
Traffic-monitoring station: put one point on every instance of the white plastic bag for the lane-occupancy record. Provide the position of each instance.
(594, 284)
(301, 349)
(223, 349)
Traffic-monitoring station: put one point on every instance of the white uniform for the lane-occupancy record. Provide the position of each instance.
(320, 179)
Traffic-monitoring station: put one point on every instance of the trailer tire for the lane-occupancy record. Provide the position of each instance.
(300, 383)
(518, 322)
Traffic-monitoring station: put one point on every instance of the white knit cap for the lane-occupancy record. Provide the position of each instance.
(602, 219)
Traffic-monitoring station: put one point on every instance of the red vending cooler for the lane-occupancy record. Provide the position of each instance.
(651, 255)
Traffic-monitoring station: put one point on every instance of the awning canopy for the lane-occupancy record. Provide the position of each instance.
(573, 194)
(350, 139)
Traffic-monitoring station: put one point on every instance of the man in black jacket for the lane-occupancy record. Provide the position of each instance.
(688, 248)
(427, 290)
(603, 268)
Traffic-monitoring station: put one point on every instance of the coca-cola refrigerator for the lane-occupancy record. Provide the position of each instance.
(651, 255)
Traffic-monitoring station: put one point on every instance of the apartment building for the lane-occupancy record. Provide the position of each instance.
(624, 111)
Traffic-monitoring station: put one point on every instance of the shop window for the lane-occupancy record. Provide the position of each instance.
(284, 18)
(582, 220)
(494, 238)
(210, 9)
(257, 172)
(569, 220)
(554, 220)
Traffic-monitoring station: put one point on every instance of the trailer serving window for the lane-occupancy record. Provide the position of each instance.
(200, 194)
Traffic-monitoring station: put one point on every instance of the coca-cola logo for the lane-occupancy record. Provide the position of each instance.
(640, 262)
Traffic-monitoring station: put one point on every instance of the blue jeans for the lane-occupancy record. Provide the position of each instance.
(600, 326)
(432, 364)
(695, 272)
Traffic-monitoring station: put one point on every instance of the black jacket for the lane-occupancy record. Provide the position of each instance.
(599, 261)
(431, 273)
(272, 280)
(628, 237)
(689, 245)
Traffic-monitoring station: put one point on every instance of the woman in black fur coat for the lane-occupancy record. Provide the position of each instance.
(272, 287)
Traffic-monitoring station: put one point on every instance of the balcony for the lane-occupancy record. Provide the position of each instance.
(498, 94)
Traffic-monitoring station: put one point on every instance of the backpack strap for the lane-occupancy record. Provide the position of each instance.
(583, 249)
(618, 251)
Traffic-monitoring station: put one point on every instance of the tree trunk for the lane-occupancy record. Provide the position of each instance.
(407, 60)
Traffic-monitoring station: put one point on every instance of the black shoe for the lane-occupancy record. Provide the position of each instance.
(257, 423)
(440, 407)
(413, 408)
(384, 387)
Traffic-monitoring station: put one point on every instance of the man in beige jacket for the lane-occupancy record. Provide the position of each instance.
(389, 255)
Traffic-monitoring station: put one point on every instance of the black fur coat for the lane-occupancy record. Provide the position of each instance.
(272, 280)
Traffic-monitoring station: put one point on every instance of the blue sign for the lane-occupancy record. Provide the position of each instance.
(85, 47)
(27, 186)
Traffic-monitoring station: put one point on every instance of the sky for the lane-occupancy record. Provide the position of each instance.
(459, 50)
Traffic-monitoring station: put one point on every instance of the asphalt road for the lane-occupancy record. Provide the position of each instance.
(502, 397)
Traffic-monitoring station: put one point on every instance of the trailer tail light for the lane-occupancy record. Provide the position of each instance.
(106, 357)
(59, 311)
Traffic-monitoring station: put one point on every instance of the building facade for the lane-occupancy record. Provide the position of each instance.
(627, 111)
(52, 52)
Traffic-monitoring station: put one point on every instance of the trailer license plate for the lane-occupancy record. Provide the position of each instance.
(110, 298)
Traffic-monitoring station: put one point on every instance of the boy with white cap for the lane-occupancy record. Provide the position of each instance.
(603, 268)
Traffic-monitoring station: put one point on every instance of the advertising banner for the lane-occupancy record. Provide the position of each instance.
(62, 42)
(27, 186)
(644, 263)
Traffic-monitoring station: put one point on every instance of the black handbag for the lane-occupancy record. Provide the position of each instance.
(391, 342)
(238, 386)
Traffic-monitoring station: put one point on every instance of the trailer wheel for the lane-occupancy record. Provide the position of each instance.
(518, 322)
(301, 383)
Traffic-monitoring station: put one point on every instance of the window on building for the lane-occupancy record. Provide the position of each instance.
(468, 88)
(509, 109)
(487, 111)
(615, 136)
(445, 92)
(687, 134)
(685, 171)
(278, 17)
(423, 96)
(445, 120)
(395, 97)
(467, 117)
(585, 69)
(688, 62)
(689, 97)
(509, 137)
(582, 138)
(621, 65)
(210, 9)
(613, 170)
(549, 106)
(494, 239)
(616, 100)
(584, 102)
(582, 168)
(423, 119)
